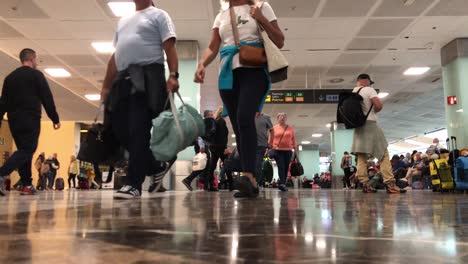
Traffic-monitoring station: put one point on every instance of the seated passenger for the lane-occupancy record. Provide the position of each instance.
(416, 170)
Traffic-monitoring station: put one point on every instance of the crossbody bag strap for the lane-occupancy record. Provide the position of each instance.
(235, 30)
(284, 132)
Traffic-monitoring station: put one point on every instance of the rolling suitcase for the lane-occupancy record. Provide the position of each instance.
(59, 184)
(460, 166)
(441, 173)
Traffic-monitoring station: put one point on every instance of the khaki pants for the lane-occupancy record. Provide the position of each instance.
(385, 168)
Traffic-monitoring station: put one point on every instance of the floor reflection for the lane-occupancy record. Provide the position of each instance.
(199, 227)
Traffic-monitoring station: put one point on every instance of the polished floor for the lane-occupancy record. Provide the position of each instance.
(307, 226)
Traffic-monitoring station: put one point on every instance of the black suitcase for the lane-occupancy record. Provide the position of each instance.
(59, 184)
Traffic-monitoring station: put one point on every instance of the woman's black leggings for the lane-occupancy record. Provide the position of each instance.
(242, 104)
(71, 178)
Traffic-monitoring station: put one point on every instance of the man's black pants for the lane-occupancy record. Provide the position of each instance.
(25, 131)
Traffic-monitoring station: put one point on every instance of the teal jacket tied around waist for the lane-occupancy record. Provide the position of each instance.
(226, 76)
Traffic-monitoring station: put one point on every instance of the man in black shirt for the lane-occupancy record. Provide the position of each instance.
(24, 90)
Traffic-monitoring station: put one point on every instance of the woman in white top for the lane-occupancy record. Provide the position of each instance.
(370, 139)
(242, 87)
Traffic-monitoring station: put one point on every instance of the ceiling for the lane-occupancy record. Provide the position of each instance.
(325, 39)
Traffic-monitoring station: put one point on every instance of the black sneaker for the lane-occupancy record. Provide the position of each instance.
(157, 178)
(127, 192)
(187, 184)
(3, 192)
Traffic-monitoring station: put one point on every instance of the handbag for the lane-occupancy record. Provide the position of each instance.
(296, 168)
(199, 162)
(256, 56)
(100, 145)
(248, 55)
(272, 153)
(233, 162)
(267, 170)
(174, 130)
(277, 63)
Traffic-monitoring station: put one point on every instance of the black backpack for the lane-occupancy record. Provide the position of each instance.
(349, 110)
(210, 129)
(221, 133)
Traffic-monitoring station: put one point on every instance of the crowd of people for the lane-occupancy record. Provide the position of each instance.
(135, 90)
(410, 171)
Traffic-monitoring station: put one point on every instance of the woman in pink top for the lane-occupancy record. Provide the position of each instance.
(282, 141)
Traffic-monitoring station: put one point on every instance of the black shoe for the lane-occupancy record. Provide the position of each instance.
(245, 188)
(162, 189)
(156, 179)
(187, 184)
(127, 192)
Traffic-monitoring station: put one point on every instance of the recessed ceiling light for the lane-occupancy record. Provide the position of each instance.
(233, 135)
(328, 125)
(57, 72)
(93, 97)
(317, 135)
(383, 95)
(460, 111)
(121, 9)
(416, 70)
(305, 142)
(104, 47)
(336, 80)
(234, 144)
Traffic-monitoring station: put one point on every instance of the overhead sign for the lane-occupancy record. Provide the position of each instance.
(452, 100)
(313, 96)
(309, 96)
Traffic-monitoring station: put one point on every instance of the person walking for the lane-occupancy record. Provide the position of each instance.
(242, 87)
(283, 141)
(54, 167)
(24, 90)
(264, 127)
(370, 139)
(218, 146)
(135, 89)
(73, 171)
(347, 167)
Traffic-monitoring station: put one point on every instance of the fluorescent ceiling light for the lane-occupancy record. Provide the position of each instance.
(328, 125)
(305, 142)
(122, 9)
(317, 135)
(416, 70)
(460, 111)
(103, 47)
(57, 72)
(93, 97)
(383, 95)
(234, 144)
(233, 135)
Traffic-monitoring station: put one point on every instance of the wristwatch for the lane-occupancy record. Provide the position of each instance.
(174, 75)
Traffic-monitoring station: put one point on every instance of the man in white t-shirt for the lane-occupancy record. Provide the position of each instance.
(137, 88)
(370, 139)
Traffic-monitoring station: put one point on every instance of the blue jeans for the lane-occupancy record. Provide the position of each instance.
(283, 158)
(51, 178)
(258, 165)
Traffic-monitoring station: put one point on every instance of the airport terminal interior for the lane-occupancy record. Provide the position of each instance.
(415, 52)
